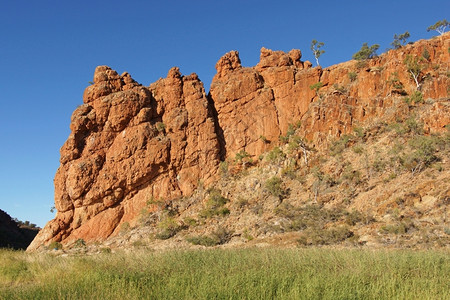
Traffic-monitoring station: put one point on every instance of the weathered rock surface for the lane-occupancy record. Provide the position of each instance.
(130, 144)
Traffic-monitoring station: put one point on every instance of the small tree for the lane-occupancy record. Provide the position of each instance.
(415, 67)
(366, 52)
(400, 40)
(439, 26)
(315, 48)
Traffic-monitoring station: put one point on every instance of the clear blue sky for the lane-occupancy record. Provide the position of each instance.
(49, 50)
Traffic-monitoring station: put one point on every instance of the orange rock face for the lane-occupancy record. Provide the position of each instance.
(130, 143)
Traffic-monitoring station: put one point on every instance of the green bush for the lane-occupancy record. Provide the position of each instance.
(276, 155)
(339, 88)
(55, 246)
(202, 240)
(358, 149)
(316, 87)
(168, 228)
(415, 98)
(352, 76)
(338, 146)
(214, 205)
(274, 186)
(398, 228)
(424, 149)
(351, 175)
(353, 218)
(241, 156)
(80, 243)
(366, 52)
(160, 126)
(426, 54)
(329, 236)
(190, 221)
(218, 237)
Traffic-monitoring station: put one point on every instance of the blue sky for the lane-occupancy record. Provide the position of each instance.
(49, 50)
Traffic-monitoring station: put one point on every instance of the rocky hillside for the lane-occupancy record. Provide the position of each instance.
(14, 235)
(277, 150)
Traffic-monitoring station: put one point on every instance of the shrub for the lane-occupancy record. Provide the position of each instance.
(223, 168)
(411, 125)
(415, 98)
(338, 146)
(316, 87)
(358, 149)
(214, 205)
(80, 243)
(276, 155)
(339, 89)
(55, 246)
(241, 155)
(274, 186)
(328, 236)
(396, 84)
(160, 126)
(360, 132)
(398, 228)
(379, 164)
(202, 240)
(289, 133)
(366, 52)
(353, 218)
(190, 221)
(352, 76)
(289, 172)
(426, 54)
(351, 175)
(242, 202)
(169, 227)
(105, 250)
(264, 139)
(424, 154)
(218, 237)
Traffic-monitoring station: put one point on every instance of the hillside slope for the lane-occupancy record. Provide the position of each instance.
(138, 150)
(12, 235)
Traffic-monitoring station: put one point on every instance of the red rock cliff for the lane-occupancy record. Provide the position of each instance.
(131, 143)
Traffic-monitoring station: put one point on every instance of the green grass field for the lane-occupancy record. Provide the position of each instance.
(228, 274)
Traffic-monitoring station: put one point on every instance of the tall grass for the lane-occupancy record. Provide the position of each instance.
(228, 274)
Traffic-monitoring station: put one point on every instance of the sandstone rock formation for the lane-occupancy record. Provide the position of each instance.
(131, 144)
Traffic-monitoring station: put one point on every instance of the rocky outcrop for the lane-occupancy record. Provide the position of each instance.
(130, 143)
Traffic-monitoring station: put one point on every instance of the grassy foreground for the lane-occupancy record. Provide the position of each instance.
(228, 274)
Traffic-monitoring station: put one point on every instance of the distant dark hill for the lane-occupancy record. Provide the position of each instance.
(13, 235)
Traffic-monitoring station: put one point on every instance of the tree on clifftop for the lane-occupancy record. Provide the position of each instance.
(400, 40)
(366, 52)
(315, 48)
(439, 26)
